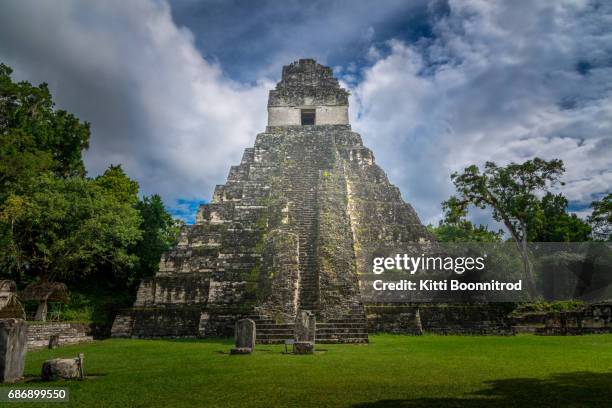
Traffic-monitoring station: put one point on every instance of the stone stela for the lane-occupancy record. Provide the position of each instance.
(244, 337)
(13, 347)
(305, 333)
(291, 230)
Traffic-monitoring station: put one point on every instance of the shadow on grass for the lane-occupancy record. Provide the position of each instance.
(568, 389)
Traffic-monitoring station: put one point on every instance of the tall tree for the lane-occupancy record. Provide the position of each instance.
(68, 228)
(601, 219)
(34, 136)
(512, 194)
(54, 222)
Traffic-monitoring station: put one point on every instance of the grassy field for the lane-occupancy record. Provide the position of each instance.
(391, 371)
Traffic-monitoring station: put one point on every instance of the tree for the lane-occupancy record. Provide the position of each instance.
(56, 224)
(35, 140)
(160, 231)
(26, 112)
(68, 228)
(601, 219)
(456, 228)
(30, 127)
(551, 222)
(511, 192)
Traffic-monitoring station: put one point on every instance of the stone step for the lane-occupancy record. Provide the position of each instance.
(350, 335)
(331, 326)
(335, 333)
(278, 336)
(318, 338)
(355, 340)
(343, 340)
(356, 319)
(274, 331)
(273, 326)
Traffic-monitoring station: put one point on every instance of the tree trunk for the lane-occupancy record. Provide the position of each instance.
(41, 311)
(531, 288)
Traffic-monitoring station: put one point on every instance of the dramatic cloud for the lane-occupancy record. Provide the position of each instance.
(176, 92)
(500, 82)
(172, 119)
(255, 38)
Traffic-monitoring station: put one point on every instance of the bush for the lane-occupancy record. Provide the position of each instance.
(555, 306)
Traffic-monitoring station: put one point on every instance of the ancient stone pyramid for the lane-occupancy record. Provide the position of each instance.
(290, 230)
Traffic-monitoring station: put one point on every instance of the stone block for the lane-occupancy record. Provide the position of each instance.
(303, 347)
(13, 346)
(62, 368)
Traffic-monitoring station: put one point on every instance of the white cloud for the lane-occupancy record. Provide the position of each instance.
(171, 118)
(499, 82)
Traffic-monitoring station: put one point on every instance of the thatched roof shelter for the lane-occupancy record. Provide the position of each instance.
(46, 291)
(10, 306)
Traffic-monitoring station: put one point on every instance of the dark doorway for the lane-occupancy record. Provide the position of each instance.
(308, 117)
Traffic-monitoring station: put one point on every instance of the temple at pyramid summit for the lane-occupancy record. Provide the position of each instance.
(290, 230)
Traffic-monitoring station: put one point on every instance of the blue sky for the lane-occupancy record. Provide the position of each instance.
(176, 90)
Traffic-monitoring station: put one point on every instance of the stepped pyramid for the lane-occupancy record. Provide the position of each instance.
(290, 230)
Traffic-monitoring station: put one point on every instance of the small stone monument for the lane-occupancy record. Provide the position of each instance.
(244, 336)
(53, 341)
(13, 346)
(63, 368)
(304, 333)
(417, 322)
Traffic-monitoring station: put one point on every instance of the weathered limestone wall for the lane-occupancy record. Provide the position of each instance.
(278, 283)
(291, 115)
(332, 115)
(592, 319)
(69, 333)
(491, 319)
(284, 116)
(307, 85)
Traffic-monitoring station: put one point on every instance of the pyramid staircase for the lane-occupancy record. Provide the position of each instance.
(302, 194)
(351, 328)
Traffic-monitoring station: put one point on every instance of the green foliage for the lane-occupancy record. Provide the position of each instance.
(550, 222)
(67, 228)
(601, 219)
(159, 230)
(556, 306)
(455, 228)
(56, 224)
(510, 191)
(34, 136)
(464, 231)
(93, 302)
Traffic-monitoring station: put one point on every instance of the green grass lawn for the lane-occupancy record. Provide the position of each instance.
(390, 371)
